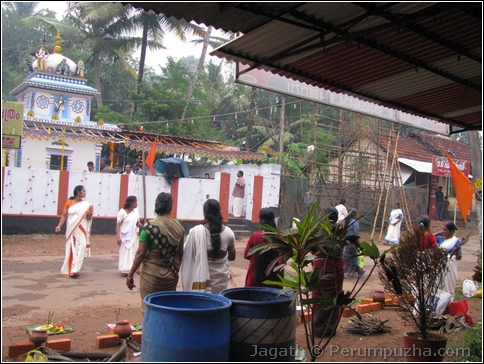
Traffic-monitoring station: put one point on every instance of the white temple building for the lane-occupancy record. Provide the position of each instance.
(57, 109)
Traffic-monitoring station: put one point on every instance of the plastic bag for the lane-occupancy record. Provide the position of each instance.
(469, 288)
(36, 356)
(440, 301)
(460, 308)
(479, 292)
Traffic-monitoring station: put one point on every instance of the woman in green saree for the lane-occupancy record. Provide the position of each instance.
(160, 251)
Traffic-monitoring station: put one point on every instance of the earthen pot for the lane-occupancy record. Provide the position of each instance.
(378, 296)
(38, 337)
(421, 350)
(123, 329)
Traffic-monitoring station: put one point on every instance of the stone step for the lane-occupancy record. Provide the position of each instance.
(242, 233)
(237, 226)
(241, 227)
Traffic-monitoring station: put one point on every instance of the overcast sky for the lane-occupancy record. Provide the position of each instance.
(174, 47)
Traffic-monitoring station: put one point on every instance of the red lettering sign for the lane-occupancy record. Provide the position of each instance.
(440, 166)
(10, 114)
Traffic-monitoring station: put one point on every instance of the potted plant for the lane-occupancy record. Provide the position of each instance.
(413, 275)
(315, 233)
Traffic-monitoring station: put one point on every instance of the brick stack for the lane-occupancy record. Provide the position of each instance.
(102, 342)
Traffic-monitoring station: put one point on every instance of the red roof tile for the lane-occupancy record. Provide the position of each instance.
(423, 146)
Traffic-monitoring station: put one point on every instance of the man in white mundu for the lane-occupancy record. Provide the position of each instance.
(238, 193)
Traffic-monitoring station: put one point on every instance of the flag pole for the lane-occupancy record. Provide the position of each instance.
(455, 211)
(143, 173)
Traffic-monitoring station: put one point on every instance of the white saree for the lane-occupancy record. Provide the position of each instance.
(195, 274)
(450, 279)
(128, 232)
(200, 273)
(78, 230)
(393, 233)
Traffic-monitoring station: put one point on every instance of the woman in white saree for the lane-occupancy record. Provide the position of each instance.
(78, 214)
(127, 224)
(395, 224)
(207, 251)
(448, 241)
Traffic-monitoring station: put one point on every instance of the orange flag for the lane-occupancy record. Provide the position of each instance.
(463, 187)
(150, 159)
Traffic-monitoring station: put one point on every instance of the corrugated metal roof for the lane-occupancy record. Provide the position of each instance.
(422, 167)
(424, 58)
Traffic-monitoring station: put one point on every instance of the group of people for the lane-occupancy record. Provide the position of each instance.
(157, 249)
(135, 169)
(202, 259)
(396, 217)
(159, 252)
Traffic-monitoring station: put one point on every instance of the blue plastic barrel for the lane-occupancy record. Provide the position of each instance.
(263, 324)
(185, 327)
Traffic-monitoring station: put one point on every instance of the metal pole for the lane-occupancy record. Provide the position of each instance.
(281, 132)
(144, 180)
(62, 154)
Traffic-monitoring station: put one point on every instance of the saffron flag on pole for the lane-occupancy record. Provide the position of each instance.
(150, 159)
(463, 187)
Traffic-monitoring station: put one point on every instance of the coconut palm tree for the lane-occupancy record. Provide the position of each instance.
(154, 26)
(194, 80)
(18, 41)
(208, 40)
(23, 9)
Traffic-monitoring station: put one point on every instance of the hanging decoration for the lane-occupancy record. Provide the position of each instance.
(111, 154)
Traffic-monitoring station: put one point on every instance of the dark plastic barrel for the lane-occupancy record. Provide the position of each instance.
(262, 325)
(185, 327)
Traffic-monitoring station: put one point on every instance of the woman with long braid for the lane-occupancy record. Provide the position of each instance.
(208, 249)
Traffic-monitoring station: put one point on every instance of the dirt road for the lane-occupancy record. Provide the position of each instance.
(32, 287)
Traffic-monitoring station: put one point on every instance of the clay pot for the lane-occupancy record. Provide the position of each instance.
(378, 296)
(38, 337)
(123, 329)
(424, 350)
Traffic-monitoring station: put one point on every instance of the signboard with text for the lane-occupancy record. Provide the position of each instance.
(440, 166)
(12, 124)
(11, 141)
(269, 81)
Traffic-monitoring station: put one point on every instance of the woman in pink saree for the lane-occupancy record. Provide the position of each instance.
(78, 217)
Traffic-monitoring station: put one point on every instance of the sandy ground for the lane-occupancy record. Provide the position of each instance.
(32, 288)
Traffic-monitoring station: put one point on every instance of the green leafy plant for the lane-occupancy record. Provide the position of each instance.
(299, 247)
(472, 346)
